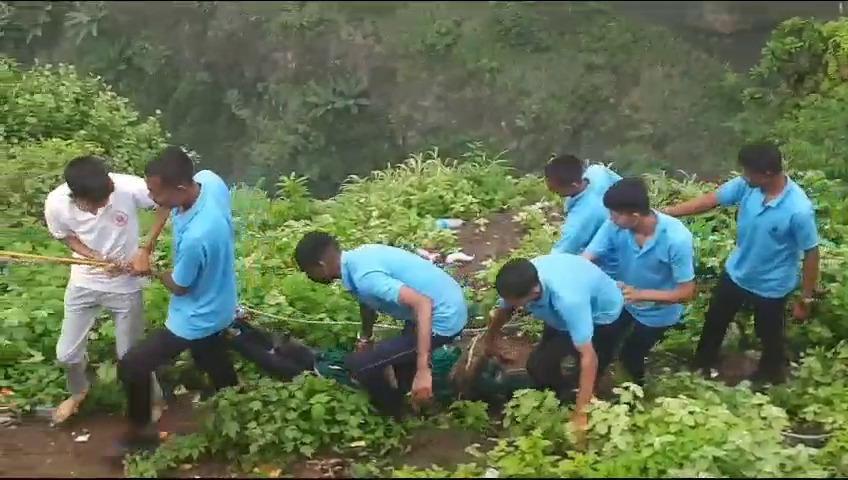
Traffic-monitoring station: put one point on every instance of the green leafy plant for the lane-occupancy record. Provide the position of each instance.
(266, 420)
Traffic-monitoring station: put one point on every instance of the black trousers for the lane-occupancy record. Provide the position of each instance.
(769, 323)
(638, 343)
(544, 365)
(161, 347)
(401, 353)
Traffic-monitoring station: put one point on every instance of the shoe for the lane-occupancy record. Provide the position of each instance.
(68, 408)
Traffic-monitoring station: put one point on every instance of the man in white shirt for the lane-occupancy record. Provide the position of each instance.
(95, 213)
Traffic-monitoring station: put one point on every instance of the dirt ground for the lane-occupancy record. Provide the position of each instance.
(500, 236)
(35, 449)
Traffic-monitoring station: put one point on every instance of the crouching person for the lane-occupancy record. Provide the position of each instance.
(202, 285)
(580, 306)
(402, 285)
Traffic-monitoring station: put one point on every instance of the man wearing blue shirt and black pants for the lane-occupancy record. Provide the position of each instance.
(655, 267)
(400, 284)
(579, 304)
(202, 284)
(583, 189)
(776, 228)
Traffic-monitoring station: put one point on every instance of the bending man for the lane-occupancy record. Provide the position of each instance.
(403, 285)
(579, 305)
(95, 213)
(583, 189)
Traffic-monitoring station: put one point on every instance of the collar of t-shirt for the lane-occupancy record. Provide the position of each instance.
(184, 218)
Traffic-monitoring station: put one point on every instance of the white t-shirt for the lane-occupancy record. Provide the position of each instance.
(113, 231)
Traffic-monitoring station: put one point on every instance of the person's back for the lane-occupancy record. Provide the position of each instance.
(449, 309)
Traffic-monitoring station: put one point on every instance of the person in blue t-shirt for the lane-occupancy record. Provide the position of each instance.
(400, 284)
(656, 268)
(583, 189)
(776, 228)
(202, 285)
(580, 306)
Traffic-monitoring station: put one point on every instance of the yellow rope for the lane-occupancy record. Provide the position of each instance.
(42, 258)
(29, 257)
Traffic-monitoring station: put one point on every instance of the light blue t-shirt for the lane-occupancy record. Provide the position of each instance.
(204, 262)
(585, 213)
(771, 237)
(374, 274)
(576, 295)
(663, 262)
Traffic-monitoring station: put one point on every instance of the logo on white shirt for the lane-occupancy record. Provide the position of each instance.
(121, 218)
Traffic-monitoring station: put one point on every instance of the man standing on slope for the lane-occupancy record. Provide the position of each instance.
(202, 284)
(580, 306)
(583, 189)
(776, 227)
(400, 284)
(95, 213)
(656, 268)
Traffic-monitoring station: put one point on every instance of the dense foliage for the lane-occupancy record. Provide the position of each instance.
(678, 426)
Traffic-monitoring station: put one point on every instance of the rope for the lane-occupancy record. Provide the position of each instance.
(29, 257)
(247, 308)
(6, 255)
(314, 322)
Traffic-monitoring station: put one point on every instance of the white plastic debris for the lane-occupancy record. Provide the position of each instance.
(427, 255)
(83, 437)
(449, 223)
(458, 257)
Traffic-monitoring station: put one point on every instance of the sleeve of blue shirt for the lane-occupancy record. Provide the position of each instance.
(601, 245)
(578, 319)
(804, 229)
(732, 191)
(573, 235)
(379, 285)
(188, 264)
(683, 260)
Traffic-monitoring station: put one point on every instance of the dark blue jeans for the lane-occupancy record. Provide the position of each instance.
(400, 352)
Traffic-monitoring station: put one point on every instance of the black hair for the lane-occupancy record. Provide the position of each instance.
(173, 166)
(516, 278)
(312, 247)
(761, 158)
(88, 179)
(564, 169)
(628, 195)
